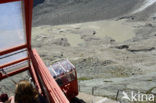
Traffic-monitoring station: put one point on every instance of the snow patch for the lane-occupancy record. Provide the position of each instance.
(145, 5)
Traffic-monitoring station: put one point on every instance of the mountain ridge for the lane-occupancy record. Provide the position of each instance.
(56, 12)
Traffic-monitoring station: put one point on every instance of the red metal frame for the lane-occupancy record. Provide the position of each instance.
(28, 5)
(9, 50)
(35, 79)
(14, 72)
(55, 93)
(6, 1)
(12, 63)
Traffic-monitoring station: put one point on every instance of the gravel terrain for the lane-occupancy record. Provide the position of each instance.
(105, 63)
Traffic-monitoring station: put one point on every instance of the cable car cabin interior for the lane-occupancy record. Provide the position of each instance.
(58, 83)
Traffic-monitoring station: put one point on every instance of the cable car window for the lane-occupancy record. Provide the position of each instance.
(72, 75)
(58, 69)
(52, 71)
(12, 32)
(68, 67)
(69, 77)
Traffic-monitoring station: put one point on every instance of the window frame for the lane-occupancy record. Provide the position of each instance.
(27, 12)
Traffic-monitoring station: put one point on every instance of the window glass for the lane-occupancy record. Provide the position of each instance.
(20, 54)
(53, 73)
(12, 32)
(61, 67)
(67, 65)
(15, 66)
(58, 69)
(72, 75)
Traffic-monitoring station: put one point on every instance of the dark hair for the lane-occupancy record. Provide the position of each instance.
(25, 93)
(4, 97)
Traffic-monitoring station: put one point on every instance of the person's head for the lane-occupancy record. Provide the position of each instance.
(3, 97)
(25, 93)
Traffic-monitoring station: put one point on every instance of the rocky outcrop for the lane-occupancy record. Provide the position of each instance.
(142, 50)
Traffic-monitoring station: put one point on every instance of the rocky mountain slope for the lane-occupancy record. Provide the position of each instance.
(54, 12)
(109, 55)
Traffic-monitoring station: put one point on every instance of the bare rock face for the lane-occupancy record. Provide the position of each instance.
(122, 47)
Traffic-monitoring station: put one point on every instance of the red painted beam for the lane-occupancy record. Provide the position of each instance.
(6, 51)
(28, 4)
(12, 63)
(55, 93)
(6, 1)
(14, 72)
(35, 79)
